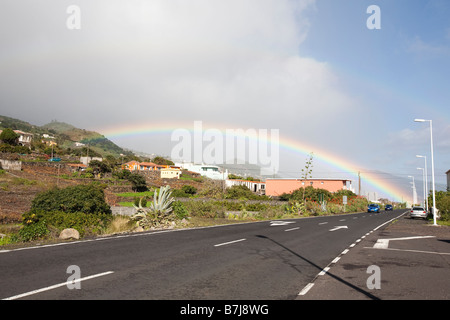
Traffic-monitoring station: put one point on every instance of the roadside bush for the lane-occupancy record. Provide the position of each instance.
(179, 210)
(89, 199)
(31, 232)
(80, 207)
(204, 209)
(443, 205)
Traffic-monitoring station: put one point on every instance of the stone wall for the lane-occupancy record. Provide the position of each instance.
(13, 165)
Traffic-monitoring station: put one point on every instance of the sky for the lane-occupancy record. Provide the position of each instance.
(138, 70)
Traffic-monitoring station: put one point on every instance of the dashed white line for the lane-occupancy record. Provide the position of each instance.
(57, 286)
(306, 289)
(292, 229)
(230, 242)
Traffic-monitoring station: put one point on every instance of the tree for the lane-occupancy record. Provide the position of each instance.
(306, 171)
(138, 182)
(8, 136)
(162, 161)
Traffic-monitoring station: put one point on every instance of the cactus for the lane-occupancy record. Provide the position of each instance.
(159, 213)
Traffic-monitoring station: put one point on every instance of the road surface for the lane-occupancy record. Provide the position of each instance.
(251, 261)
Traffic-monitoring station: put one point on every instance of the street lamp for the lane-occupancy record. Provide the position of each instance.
(426, 178)
(432, 167)
(424, 194)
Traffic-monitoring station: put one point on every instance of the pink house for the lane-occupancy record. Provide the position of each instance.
(276, 187)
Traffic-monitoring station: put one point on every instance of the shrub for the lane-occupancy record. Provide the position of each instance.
(443, 205)
(33, 231)
(179, 210)
(159, 213)
(88, 199)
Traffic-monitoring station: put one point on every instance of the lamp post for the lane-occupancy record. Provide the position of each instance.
(432, 167)
(426, 180)
(424, 194)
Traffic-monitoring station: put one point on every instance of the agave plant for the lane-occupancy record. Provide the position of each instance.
(159, 213)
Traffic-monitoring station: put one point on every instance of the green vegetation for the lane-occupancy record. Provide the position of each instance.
(160, 212)
(81, 207)
(443, 205)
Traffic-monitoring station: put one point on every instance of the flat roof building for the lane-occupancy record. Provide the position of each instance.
(276, 187)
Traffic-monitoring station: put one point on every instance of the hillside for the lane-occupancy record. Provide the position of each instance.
(66, 135)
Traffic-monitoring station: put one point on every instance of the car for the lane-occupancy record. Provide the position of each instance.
(373, 208)
(418, 212)
(388, 207)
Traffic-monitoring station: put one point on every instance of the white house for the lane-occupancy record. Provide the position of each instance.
(170, 173)
(209, 171)
(448, 180)
(255, 186)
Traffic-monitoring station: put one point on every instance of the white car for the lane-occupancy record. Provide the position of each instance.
(418, 212)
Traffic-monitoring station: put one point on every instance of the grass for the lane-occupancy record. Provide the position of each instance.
(119, 224)
(135, 194)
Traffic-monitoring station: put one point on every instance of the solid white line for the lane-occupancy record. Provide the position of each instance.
(57, 286)
(406, 250)
(292, 229)
(225, 243)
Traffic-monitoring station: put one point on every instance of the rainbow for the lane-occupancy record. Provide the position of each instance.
(292, 145)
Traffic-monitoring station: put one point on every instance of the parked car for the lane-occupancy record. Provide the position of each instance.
(373, 207)
(418, 212)
(388, 207)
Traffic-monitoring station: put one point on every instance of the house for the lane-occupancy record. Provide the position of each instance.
(87, 160)
(448, 180)
(276, 187)
(209, 171)
(24, 137)
(255, 186)
(170, 173)
(131, 165)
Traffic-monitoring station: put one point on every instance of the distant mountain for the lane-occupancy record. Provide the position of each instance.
(67, 135)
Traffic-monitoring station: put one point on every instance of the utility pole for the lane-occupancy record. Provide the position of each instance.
(359, 183)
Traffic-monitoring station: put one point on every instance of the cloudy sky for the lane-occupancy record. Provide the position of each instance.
(310, 68)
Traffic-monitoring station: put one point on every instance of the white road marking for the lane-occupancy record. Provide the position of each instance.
(325, 270)
(280, 223)
(338, 227)
(406, 250)
(306, 289)
(230, 242)
(384, 243)
(323, 223)
(57, 286)
(292, 229)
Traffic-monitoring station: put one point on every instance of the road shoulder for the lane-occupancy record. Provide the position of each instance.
(411, 260)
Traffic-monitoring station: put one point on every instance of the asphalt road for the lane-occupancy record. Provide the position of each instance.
(251, 261)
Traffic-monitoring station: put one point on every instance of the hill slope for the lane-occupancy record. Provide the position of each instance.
(66, 135)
